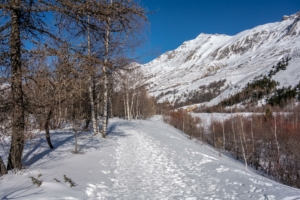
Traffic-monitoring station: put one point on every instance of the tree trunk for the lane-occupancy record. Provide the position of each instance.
(242, 135)
(105, 88)
(111, 114)
(3, 169)
(59, 110)
(18, 121)
(214, 136)
(76, 142)
(99, 111)
(87, 123)
(92, 89)
(252, 136)
(137, 108)
(276, 140)
(131, 106)
(92, 103)
(224, 138)
(127, 103)
(110, 107)
(104, 124)
(234, 138)
(48, 138)
(125, 108)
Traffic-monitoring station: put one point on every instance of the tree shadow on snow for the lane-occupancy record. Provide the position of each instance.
(41, 148)
(111, 128)
(91, 143)
(38, 149)
(114, 133)
(22, 192)
(42, 145)
(111, 131)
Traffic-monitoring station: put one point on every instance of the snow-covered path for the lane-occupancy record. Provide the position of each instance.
(143, 160)
(155, 161)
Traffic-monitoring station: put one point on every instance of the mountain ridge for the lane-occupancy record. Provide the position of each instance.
(214, 57)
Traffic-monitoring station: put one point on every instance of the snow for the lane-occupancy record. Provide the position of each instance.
(208, 118)
(238, 59)
(138, 160)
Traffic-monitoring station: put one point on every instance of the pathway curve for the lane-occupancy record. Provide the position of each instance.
(155, 161)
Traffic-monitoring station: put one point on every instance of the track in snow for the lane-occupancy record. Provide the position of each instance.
(138, 160)
(155, 161)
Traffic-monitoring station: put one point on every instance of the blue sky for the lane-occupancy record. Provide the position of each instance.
(176, 21)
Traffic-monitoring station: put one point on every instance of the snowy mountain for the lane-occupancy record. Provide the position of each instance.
(234, 59)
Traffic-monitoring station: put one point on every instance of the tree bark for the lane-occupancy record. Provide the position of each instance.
(105, 88)
(59, 110)
(234, 139)
(92, 88)
(110, 108)
(125, 108)
(105, 121)
(111, 114)
(131, 106)
(127, 102)
(243, 140)
(224, 138)
(137, 107)
(3, 169)
(18, 120)
(47, 123)
(87, 123)
(93, 111)
(276, 140)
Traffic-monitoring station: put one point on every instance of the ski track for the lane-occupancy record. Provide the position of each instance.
(145, 168)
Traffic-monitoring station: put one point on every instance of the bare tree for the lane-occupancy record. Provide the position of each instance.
(118, 29)
(3, 169)
(23, 21)
(243, 142)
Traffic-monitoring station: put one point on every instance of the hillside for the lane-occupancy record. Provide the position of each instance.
(138, 160)
(232, 60)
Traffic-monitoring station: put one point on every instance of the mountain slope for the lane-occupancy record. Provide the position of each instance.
(238, 59)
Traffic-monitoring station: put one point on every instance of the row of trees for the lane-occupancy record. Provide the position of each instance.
(60, 61)
(185, 122)
(268, 142)
(131, 97)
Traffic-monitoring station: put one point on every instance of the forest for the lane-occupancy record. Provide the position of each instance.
(70, 63)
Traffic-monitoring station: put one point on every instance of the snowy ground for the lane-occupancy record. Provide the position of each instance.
(208, 118)
(138, 160)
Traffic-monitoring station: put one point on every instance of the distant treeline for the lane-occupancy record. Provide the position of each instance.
(268, 142)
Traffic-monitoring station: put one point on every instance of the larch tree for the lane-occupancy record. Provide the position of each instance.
(23, 24)
(109, 27)
(122, 21)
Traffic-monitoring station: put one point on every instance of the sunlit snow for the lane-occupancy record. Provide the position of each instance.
(138, 160)
(238, 59)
